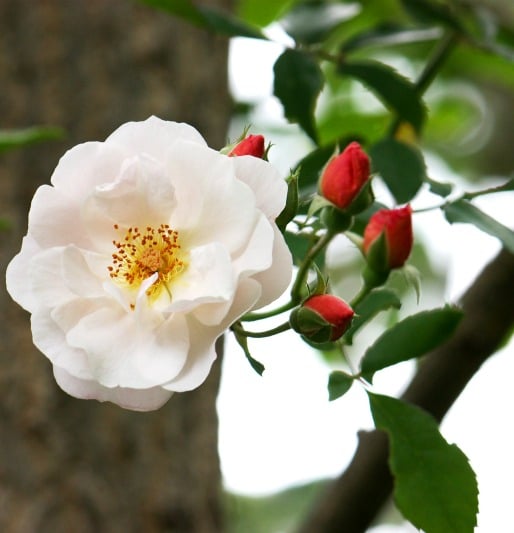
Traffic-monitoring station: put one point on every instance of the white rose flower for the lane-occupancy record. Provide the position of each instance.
(142, 252)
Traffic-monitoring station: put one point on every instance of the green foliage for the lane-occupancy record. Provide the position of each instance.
(401, 166)
(376, 301)
(435, 487)
(396, 49)
(464, 211)
(10, 139)
(298, 82)
(299, 244)
(339, 383)
(283, 511)
(396, 92)
(309, 168)
(243, 342)
(441, 189)
(430, 12)
(311, 23)
(262, 12)
(413, 337)
(390, 34)
(291, 208)
(206, 17)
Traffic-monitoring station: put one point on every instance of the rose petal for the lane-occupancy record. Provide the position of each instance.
(208, 278)
(49, 337)
(135, 399)
(277, 278)
(54, 219)
(17, 277)
(212, 205)
(141, 196)
(152, 136)
(119, 346)
(202, 353)
(269, 188)
(86, 166)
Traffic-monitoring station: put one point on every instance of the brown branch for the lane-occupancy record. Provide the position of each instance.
(352, 501)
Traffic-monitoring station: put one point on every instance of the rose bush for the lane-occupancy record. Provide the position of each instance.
(141, 253)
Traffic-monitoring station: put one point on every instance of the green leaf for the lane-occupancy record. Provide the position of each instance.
(390, 35)
(262, 12)
(429, 12)
(377, 300)
(412, 337)
(309, 168)
(291, 208)
(435, 487)
(312, 23)
(10, 139)
(339, 383)
(243, 342)
(228, 25)
(299, 245)
(401, 167)
(318, 203)
(440, 188)
(395, 91)
(413, 278)
(206, 17)
(463, 211)
(298, 82)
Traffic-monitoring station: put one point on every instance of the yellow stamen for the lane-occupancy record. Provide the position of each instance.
(143, 253)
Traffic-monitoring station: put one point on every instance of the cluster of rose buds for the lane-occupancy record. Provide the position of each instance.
(387, 242)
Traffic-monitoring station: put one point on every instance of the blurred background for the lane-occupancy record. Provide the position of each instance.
(67, 465)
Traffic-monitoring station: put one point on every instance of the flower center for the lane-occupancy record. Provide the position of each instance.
(143, 253)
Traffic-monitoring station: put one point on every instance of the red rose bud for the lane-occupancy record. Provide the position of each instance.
(345, 175)
(251, 145)
(393, 249)
(322, 318)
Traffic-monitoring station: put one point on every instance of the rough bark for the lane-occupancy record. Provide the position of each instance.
(65, 464)
(352, 501)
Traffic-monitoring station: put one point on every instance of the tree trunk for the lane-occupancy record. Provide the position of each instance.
(70, 465)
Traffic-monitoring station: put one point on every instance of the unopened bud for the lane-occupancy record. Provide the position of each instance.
(345, 176)
(322, 318)
(388, 238)
(250, 145)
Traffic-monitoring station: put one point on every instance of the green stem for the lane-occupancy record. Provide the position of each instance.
(434, 64)
(261, 334)
(443, 50)
(364, 291)
(252, 317)
(296, 291)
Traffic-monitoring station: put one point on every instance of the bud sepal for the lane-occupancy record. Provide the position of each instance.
(322, 318)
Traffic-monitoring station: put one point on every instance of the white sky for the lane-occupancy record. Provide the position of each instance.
(280, 429)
